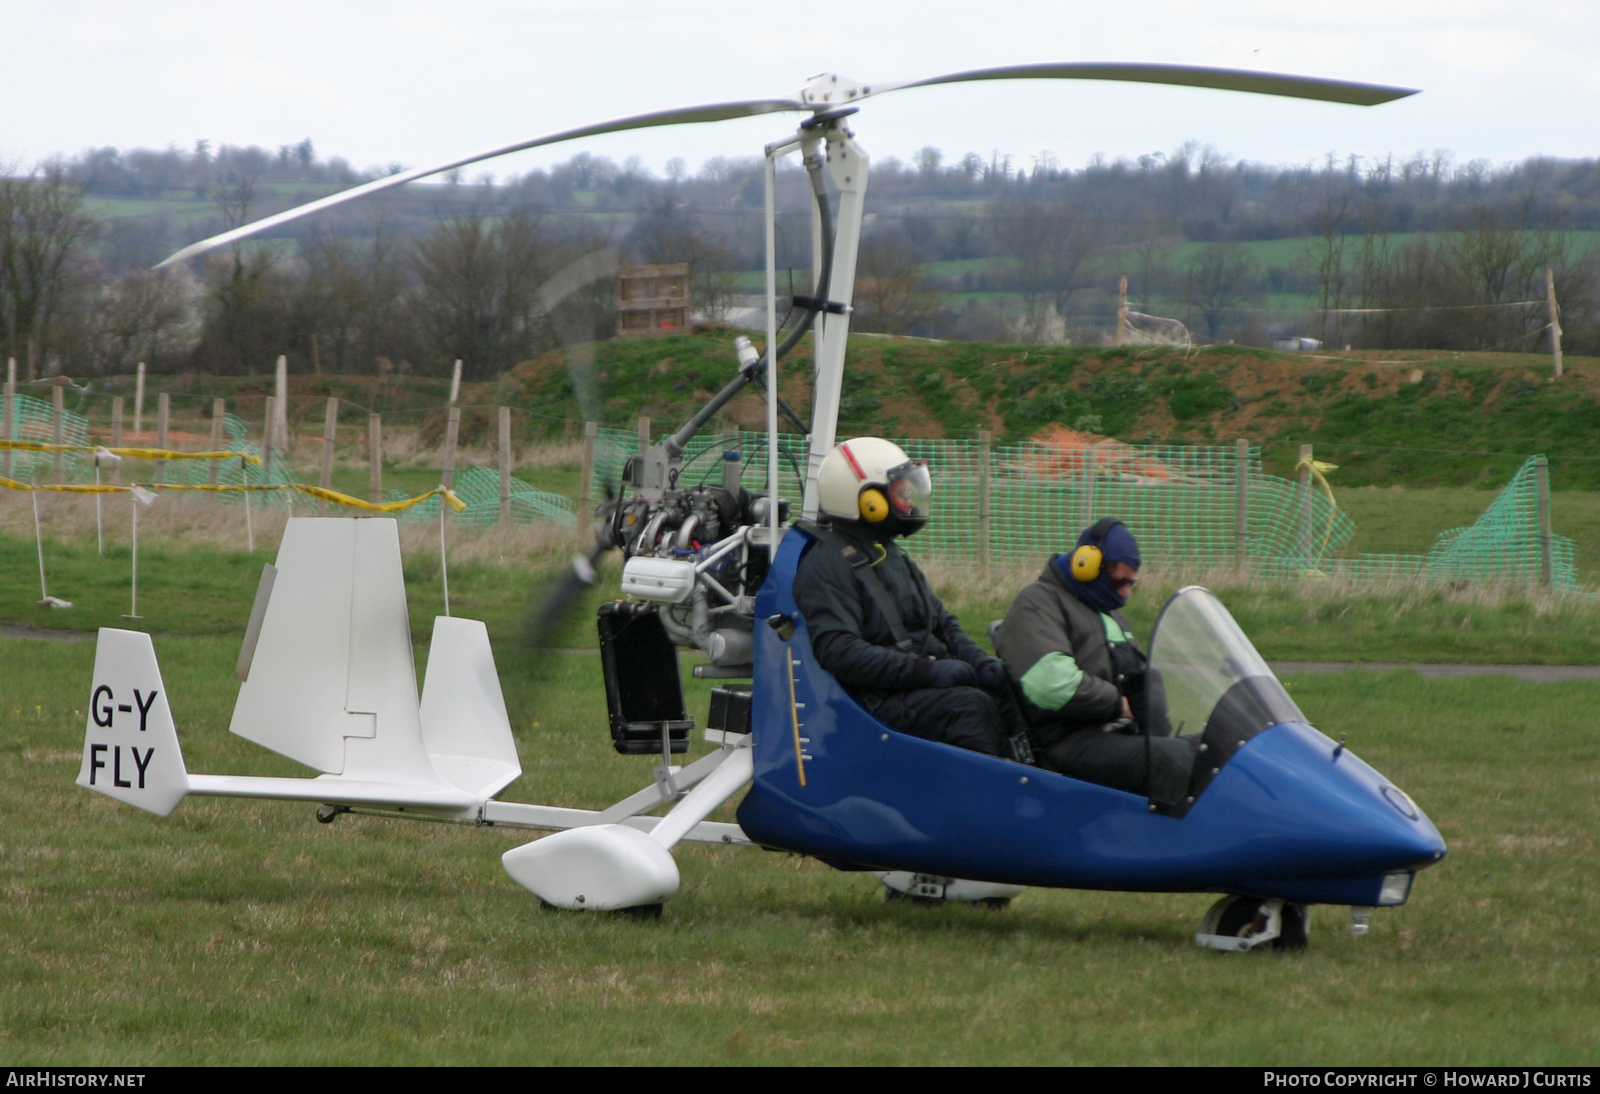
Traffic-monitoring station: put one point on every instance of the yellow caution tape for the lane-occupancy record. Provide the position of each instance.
(253, 487)
(131, 453)
(1318, 471)
(66, 488)
(379, 506)
(315, 491)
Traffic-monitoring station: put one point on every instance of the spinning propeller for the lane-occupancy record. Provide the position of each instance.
(829, 92)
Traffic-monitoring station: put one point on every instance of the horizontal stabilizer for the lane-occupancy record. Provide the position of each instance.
(130, 745)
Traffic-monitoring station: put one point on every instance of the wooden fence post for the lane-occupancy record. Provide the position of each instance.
(505, 465)
(644, 435)
(266, 439)
(1089, 455)
(455, 384)
(163, 431)
(1303, 478)
(586, 477)
(138, 402)
(330, 429)
(116, 436)
(1241, 510)
(7, 409)
(452, 430)
(375, 457)
(58, 428)
(8, 412)
(985, 438)
(1541, 470)
(219, 415)
(280, 422)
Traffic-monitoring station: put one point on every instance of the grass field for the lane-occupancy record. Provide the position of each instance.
(245, 932)
(240, 932)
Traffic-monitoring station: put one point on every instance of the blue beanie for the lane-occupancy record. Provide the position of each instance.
(1119, 545)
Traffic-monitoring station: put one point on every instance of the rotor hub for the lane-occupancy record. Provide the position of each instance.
(827, 90)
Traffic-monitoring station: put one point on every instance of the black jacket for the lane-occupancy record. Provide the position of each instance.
(849, 635)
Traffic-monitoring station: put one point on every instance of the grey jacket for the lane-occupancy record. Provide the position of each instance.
(1057, 653)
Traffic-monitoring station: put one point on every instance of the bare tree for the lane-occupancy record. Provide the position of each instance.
(668, 234)
(247, 296)
(1325, 249)
(478, 283)
(354, 298)
(1480, 286)
(1222, 278)
(1152, 257)
(44, 234)
(1050, 244)
(889, 296)
(146, 315)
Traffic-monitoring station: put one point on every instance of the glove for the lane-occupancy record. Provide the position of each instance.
(992, 675)
(951, 673)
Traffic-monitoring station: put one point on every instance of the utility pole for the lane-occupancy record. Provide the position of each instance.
(1122, 310)
(1555, 322)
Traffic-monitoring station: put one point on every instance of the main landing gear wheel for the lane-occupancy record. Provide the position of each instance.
(930, 889)
(1236, 924)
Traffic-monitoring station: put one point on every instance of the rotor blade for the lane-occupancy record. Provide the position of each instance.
(683, 115)
(1223, 79)
(560, 598)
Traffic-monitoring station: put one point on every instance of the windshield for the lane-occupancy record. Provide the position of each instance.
(1203, 659)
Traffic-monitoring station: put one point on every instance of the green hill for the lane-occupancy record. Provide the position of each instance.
(1392, 418)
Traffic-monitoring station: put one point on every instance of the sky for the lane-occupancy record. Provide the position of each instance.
(417, 83)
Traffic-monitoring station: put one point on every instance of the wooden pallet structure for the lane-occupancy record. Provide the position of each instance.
(652, 299)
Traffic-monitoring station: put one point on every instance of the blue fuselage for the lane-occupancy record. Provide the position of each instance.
(1289, 816)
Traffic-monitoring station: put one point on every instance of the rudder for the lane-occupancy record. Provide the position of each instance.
(130, 745)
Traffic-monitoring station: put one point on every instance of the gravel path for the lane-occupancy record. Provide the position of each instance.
(1539, 674)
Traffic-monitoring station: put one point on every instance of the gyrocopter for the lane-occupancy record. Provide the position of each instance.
(1277, 816)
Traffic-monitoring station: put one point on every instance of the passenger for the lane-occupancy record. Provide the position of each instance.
(1093, 707)
(874, 623)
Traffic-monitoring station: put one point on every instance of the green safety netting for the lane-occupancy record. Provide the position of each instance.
(1020, 503)
(34, 420)
(1504, 545)
(479, 488)
(1192, 506)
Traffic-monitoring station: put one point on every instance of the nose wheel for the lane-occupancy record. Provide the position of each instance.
(1236, 924)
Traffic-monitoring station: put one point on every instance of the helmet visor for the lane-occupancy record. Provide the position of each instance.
(910, 490)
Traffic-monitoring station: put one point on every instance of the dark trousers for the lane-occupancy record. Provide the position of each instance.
(964, 717)
(1155, 766)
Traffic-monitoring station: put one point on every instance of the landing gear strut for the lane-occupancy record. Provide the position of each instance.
(932, 889)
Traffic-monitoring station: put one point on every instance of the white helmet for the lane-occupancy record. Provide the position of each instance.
(871, 480)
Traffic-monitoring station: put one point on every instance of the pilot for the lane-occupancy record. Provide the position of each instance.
(1093, 707)
(874, 622)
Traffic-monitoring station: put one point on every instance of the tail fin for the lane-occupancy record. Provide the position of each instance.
(130, 746)
(464, 724)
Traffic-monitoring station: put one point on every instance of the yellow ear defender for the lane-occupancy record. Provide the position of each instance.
(874, 506)
(1086, 562)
